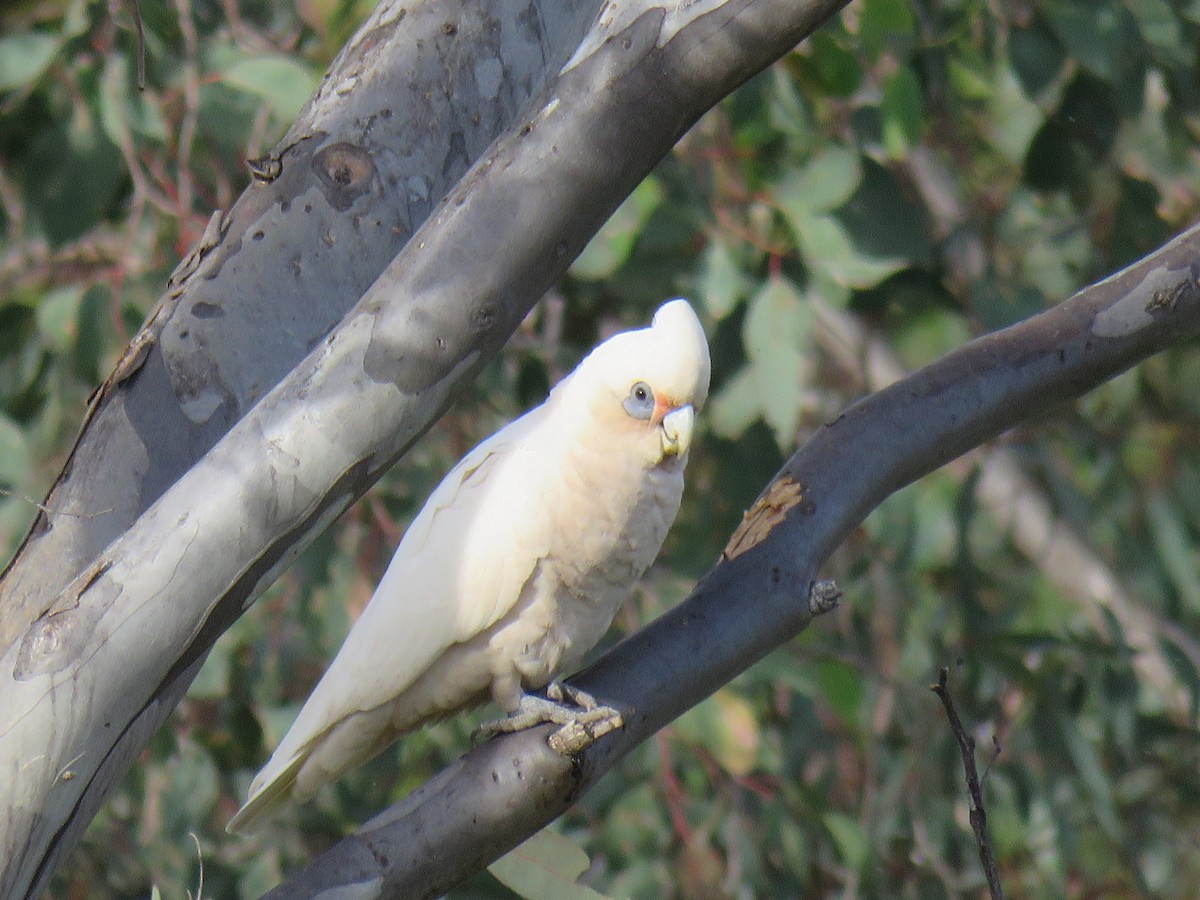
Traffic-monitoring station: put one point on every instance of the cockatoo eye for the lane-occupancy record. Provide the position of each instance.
(640, 402)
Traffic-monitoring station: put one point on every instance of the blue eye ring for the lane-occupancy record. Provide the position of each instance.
(640, 402)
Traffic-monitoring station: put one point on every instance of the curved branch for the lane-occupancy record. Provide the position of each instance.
(1020, 509)
(756, 597)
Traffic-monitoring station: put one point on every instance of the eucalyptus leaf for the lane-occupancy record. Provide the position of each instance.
(24, 57)
(1014, 118)
(850, 839)
(823, 183)
(15, 458)
(608, 250)
(280, 81)
(1096, 780)
(1091, 32)
(723, 284)
(1161, 29)
(1176, 550)
(833, 64)
(827, 248)
(883, 22)
(79, 173)
(842, 688)
(56, 316)
(545, 867)
(777, 333)
(736, 406)
(902, 109)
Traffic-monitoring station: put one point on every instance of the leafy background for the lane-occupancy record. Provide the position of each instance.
(912, 176)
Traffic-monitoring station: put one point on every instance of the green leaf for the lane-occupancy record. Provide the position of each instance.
(882, 22)
(284, 84)
(723, 284)
(827, 249)
(850, 839)
(212, 681)
(1013, 118)
(612, 244)
(1175, 550)
(24, 57)
(736, 406)
(545, 867)
(191, 790)
(884, 220)
(15, 458)
(56, 317)
(74, 175)
(903, 116)
(970, 75)
(787, 108)
(842, 688)
(93, 334)
(725, 724)
(1091, 33)
(778, 333)
(1036, 57)
(20, 356)
(257, 874)
(1160, 28)
(124, 110)
(1091, 770)
(824, 183)
(835, 66)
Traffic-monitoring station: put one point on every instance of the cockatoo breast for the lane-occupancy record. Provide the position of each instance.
(597, 548)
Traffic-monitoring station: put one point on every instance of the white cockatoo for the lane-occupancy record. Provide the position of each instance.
(517, 563)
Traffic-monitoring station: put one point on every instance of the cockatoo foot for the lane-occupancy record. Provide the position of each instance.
(583, 720)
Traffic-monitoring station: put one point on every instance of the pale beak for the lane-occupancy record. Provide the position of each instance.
(677, 427)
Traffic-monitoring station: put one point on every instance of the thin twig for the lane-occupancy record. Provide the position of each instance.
(141, 45)
(978, 816)
(191, 106)
(13, 495)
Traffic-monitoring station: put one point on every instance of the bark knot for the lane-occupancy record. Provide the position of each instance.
(345, 171)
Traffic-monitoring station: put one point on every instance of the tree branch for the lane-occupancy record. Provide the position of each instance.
(1021, 509)
(978, 812)
(756, 597)
(328, 209)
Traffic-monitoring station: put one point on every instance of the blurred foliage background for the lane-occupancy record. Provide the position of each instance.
(915, 174)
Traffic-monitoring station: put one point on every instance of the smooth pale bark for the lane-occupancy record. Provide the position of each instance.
(411, 102)
(221, 475)
(757, 596)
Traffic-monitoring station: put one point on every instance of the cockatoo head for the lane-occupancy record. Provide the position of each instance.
(646, 386)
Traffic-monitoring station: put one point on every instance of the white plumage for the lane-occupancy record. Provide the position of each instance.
(517, 563)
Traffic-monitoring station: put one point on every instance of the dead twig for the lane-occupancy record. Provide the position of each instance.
(966, 746)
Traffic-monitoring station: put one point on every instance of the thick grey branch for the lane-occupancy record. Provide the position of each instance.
(413, 99)
(756, 597)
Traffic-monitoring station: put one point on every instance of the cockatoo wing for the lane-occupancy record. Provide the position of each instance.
(428, 600)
